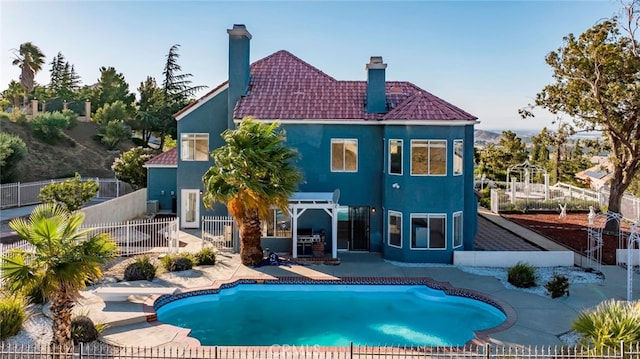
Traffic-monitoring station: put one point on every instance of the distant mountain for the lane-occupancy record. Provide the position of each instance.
(485, 138)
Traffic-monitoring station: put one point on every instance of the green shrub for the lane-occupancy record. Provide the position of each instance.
(206, 256)
(13, 314)
(176, 263)
(522, 275)
(48, 126)
(83, 330)
(141, 269)
(15, 116)
(72, 118)
(610, 323)
(113, 133)
(12, 151)
(558, 286)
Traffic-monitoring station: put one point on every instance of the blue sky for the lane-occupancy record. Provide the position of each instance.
(486, 57)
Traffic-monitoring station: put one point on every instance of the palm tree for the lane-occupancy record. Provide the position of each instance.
(30, 60)
(252, 172)
(63, 259)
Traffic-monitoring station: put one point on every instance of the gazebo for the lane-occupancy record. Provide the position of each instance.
(300, 202)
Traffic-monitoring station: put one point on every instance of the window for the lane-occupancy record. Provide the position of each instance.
(457, 229)
(194, 147)
(395, 229)
(457, 157)
(344, 155)
(277, 225)
(429, 157)
(395, 157)
(428, 231)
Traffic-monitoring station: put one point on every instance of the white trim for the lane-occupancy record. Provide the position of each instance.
(202, 101)
(428, 147)
(344, 152)
(453, 229)
(160, 166)
(369, 122)
(428, 216)
(453, 157)
(401, 156)
(389, 213)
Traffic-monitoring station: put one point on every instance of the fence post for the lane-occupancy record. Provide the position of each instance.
(128, 231)
(117, 188)
(81, 350)
(622, 354)
(487, 351)
(98, 182)
(18, 194)
(351, 350)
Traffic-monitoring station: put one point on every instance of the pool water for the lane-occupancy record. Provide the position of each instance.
(331, 315)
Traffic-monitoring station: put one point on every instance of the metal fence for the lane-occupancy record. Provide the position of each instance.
(141, 236)
(24, 194)
(540, 199)
(220, 232)
(103, 351)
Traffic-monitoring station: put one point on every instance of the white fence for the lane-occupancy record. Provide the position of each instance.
(221, 233)
(25, 194)
(544, 199)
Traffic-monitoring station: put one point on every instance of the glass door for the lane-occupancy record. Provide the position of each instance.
(353, 228)
(190, 208)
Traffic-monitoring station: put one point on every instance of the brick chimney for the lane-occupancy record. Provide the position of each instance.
(239, 39)
(376, 101)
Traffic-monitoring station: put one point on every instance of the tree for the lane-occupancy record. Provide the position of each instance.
(111, 87)
(12, 150)
(252, 172)
(113, 133)
(64, 258)
(151, 107)
(115, 111)
(30, 60)
(178, 92)
(129, 166)
(597, 83)
(13, 94)
(64, 79)
(72, 193)
(495, 160)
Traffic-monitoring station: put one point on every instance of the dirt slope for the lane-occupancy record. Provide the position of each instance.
(78, 152)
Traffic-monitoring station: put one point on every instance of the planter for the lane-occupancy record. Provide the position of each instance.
(318, 249)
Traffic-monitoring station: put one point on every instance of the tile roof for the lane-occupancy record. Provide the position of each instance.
(284, 87)
(165, 159)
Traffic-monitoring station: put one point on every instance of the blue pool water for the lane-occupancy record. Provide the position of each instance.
(331, 315)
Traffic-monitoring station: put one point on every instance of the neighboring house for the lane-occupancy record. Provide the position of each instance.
(387, 166)
(597, 176)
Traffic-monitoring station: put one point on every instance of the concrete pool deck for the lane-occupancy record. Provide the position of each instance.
(539, 320)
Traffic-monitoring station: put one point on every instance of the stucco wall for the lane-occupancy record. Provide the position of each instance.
(119, 209)
(510, 258)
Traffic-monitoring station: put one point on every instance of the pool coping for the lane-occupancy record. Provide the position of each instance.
(482, 337)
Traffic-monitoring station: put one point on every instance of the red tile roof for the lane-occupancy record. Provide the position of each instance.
(284, 87)
(165, 159)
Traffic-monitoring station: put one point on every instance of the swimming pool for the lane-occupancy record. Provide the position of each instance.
(330, 315)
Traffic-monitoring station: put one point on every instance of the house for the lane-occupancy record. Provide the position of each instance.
(596, 176)
(388, 166)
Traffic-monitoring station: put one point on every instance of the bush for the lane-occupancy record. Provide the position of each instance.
(522, 275)
(72, 193)
(12, 150)
(141, 269)
(48, 126)
(15, 116)
(558, 286)
(176, 263)
(113, 133)
(206, 256)
(83, 330)
(610, 323)
(72, 118)
(13, 314)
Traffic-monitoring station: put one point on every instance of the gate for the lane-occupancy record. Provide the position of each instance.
(221, 233)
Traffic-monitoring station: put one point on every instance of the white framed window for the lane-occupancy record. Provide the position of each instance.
(457, 229)
(428, 157)
(395, 229)
(278, 224)
(395, 157)
(194, 147)
(458, 155)
(344, 155)
(428, 231)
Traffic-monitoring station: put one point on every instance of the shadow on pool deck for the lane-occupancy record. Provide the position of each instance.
(539, 320)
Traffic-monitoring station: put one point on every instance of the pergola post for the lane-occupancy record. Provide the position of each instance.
(334, 231)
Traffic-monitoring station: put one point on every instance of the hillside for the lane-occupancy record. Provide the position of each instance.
(78, 152)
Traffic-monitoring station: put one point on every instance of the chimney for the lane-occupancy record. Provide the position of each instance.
(376, 100)
(238, 67)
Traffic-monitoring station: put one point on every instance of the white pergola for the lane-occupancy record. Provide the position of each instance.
(299, 202)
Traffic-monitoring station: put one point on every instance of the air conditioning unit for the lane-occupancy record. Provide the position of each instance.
(153, 207)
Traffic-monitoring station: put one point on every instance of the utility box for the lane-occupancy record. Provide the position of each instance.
(153, 207)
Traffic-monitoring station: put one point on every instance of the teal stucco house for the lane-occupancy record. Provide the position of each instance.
(388, 166)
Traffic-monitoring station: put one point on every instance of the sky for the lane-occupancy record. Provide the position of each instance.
(486, 57)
